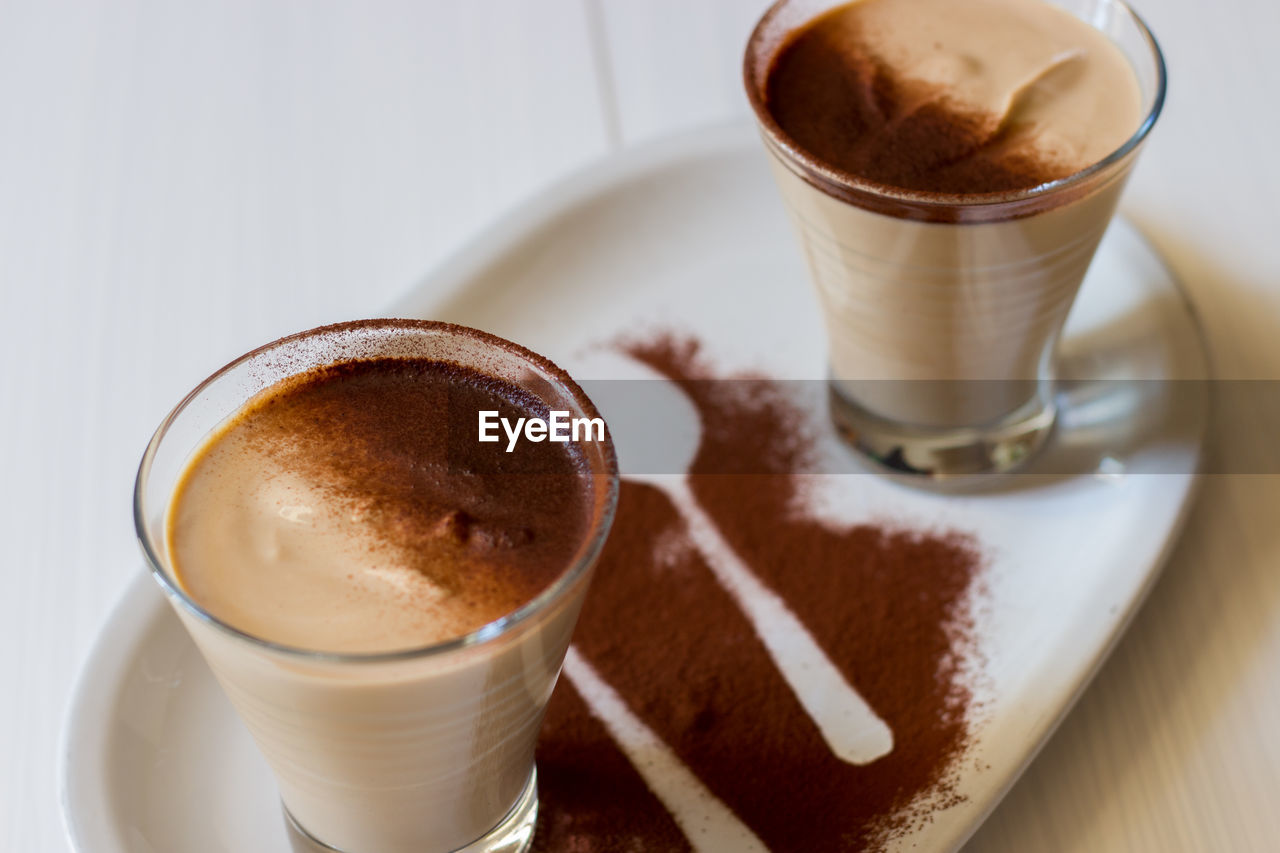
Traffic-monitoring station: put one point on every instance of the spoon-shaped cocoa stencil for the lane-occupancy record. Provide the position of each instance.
(656, 431)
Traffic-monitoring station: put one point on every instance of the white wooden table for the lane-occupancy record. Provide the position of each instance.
(180, 182)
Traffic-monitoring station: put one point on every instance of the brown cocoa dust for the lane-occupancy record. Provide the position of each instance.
(392, 441)
(836, 99)
(891, 608)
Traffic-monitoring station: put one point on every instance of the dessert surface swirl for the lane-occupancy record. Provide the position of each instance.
(352, 509)
(934, 96)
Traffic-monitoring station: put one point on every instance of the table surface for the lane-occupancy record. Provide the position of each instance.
(182, 182)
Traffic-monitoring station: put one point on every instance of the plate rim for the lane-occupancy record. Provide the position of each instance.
(78, 726)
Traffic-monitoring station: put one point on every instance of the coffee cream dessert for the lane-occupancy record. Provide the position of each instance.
(946, 97)
(353, 510)
(916, 144)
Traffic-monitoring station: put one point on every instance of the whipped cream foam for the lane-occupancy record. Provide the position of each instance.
(352, 510)
(953, 98)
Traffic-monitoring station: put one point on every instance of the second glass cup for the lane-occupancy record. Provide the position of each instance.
(943, 315)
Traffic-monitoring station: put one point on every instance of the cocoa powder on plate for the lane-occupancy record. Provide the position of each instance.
(889, 605)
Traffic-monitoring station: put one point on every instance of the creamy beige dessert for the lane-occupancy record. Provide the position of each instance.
(948, 98)
(349, 513)
(334, 513)
(917, 144)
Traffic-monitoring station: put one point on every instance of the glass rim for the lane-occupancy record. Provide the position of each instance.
(900, 200)
(588, 553)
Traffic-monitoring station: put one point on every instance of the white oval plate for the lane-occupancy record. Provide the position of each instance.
(690, 233)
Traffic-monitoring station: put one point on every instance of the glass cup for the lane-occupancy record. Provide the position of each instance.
(429, 749)
(943, 317)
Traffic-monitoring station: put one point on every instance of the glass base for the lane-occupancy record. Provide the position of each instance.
(513, 834)
(929, 455)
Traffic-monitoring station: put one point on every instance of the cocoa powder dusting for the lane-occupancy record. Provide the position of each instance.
(590, 797)
(393, 440)
(889, 606)
(829, 92)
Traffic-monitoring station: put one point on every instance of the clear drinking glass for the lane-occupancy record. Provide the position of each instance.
(424, 750)
(943, 317)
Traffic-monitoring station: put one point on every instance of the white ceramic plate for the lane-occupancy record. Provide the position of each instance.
(690, 233)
